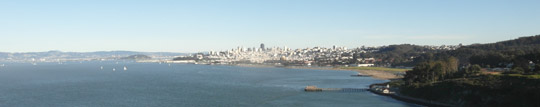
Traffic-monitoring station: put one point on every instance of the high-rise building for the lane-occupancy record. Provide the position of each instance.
(262, 47)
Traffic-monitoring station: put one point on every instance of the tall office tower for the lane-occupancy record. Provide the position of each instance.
(262, 47)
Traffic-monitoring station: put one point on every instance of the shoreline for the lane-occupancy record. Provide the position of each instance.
(411, 99)
(376, 74)
(381, 75)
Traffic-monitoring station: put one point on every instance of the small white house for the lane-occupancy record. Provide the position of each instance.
(386, 91)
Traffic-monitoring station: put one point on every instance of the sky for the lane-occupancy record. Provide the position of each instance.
(205, 25)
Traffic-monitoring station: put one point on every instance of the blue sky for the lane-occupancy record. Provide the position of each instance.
(202, 25)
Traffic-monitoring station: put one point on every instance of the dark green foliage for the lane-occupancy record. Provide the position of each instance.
(494, 54)
(522, 64)
(469, 71)
(484, 90)
(537, 69)
(436, 78)
(516, 70)
(519, 53)
(432, 71)
(494, 59)
(524, 61)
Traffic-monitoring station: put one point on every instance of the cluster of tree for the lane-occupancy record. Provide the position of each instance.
(526, 64)
(453, 76)
(520, 54)
(480, 91)
(439, 70)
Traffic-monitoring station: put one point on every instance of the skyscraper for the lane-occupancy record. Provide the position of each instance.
(262, 47)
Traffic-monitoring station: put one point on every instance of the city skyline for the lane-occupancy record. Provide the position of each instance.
(198, 26)
(261, 47)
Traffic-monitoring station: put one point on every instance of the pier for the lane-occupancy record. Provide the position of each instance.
(316, 89)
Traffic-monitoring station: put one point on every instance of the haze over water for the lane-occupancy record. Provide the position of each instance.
(152, 84)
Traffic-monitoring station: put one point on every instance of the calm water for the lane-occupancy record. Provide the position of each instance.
(152, 84)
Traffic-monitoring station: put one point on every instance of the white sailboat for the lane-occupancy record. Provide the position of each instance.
(101, 67)
(125, 68)
(114, 69)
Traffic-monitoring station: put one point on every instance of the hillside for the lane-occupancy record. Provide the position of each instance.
(455, 77)
(497, 54)
(137, 57)
(399, 55)
(53, 55)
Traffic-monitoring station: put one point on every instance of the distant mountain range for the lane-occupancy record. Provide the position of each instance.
(59, 55)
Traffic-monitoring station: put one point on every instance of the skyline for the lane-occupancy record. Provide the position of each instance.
(197, 26)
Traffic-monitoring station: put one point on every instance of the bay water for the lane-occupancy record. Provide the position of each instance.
(151, 84)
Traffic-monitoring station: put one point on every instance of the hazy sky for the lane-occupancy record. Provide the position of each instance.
(201, 25)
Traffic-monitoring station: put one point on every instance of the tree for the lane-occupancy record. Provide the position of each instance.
(470, 71)
(452, 67)
(474, 70)
(522, 65)
(537, 69)
(517, 70)
(432, 71)
(420, 73)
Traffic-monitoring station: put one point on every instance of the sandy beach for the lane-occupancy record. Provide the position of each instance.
(378, 74)
(383, 75)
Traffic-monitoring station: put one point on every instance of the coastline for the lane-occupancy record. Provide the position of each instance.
(410, 99)
(381, 75)
(376, 74)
